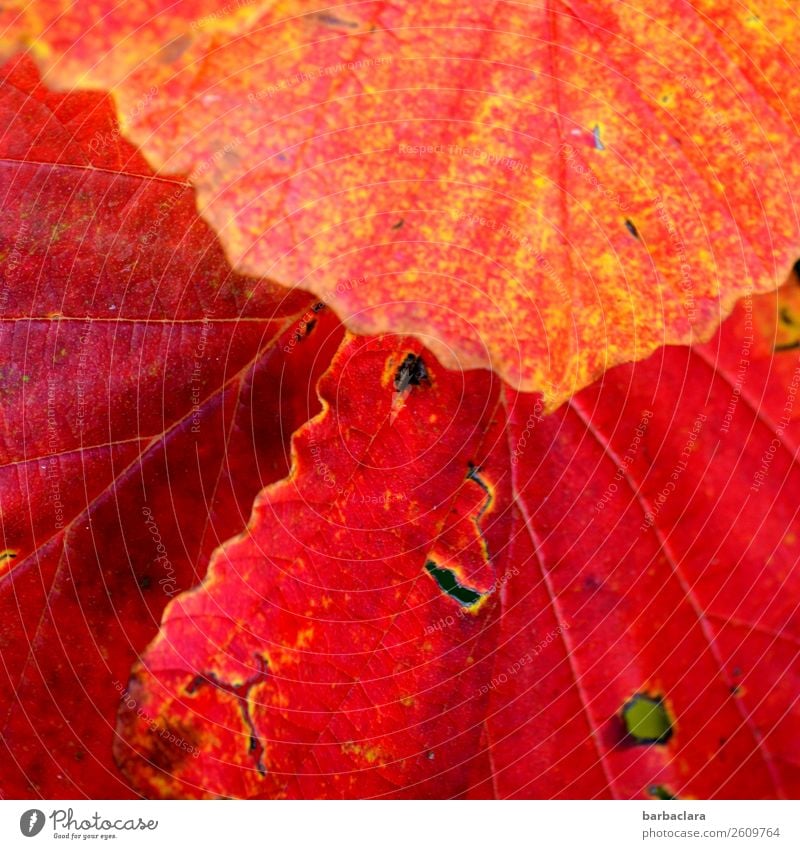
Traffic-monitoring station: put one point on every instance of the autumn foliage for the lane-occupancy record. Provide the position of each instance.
(399, 401)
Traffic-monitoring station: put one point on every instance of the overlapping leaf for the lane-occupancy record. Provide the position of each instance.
(548, 189)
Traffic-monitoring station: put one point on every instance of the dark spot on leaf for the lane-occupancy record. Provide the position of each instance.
(173, 50)
(167, 746)
(145, 582)
(448, 583)
(788, 346)
(785, 316)
(646, 719)
(255, 748)
(796, 269)
(411, 373)
(331, 20)
(658, 791)
(736, 691)
(305, 329)
(399, 224)
(194, 684)
(632, 228)
(80, 755)
(318, 307)
(473, 474)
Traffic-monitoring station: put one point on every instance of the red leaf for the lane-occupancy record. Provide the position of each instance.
(452, 595)
(145, 402)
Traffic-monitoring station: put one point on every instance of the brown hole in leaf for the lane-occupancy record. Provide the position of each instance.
(412, 372)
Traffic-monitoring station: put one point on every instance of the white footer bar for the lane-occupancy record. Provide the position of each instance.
(402, 825)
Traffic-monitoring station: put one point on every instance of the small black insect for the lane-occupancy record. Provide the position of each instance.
(411, 373)
(632, 228)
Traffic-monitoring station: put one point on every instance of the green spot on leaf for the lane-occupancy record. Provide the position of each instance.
(448, 583)
(646, 719)
(658, 791)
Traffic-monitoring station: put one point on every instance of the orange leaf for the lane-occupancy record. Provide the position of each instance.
(545, 189)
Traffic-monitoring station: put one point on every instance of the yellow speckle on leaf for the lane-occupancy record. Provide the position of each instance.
(369, 754)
